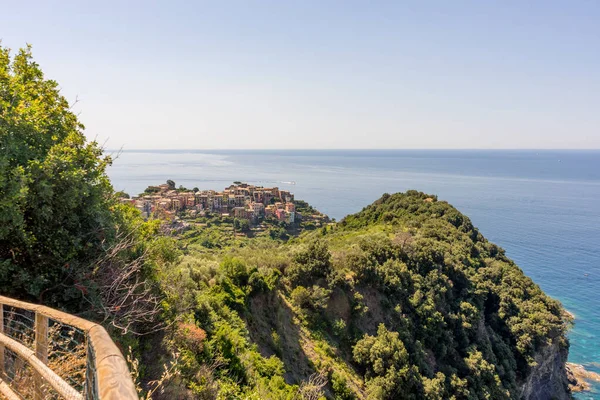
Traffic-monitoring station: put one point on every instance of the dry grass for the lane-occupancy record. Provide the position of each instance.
(156, 387)
(66, 357)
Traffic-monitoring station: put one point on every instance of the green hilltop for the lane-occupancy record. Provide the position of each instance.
(405, 299)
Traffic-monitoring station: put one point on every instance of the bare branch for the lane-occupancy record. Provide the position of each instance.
(129, 302)
(312, 389)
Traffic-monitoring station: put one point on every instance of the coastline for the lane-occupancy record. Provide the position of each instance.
(580, 378)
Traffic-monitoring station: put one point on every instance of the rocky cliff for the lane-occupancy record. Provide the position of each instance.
(548, 379)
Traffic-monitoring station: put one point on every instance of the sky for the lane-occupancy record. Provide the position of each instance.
(321, 74)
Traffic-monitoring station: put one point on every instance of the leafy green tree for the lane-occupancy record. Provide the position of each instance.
(434, 388)
(122, 194)
(314, 298)
(241, 224)
(310, 264)
(278, 233)
(55, 197)
(236, 270)
(301, 297)
(339, 384)
(151, 190)
(388, 370)
(171, 184)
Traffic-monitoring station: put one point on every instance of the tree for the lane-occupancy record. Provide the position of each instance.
(122, 194)
(310, 264)
(241, 224)
(301, 297)
(236, 270)
(244, 225)
(55, 196)
(171, 184)
(388, 370)
(278, 233)
(151, 190)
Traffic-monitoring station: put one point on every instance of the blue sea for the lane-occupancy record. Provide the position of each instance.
(542, 207)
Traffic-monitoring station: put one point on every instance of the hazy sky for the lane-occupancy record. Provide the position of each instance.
(322, 74)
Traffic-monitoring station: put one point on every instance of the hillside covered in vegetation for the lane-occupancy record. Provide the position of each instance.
(403, 300)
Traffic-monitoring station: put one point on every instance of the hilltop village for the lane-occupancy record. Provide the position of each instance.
(239, 200)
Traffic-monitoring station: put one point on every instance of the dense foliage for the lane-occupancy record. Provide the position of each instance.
(55, 204)
(405, 299)
(63, 236)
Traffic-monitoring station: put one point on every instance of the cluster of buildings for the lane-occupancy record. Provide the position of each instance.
(239, 200)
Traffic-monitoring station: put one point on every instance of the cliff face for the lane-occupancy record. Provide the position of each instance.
(548, 379)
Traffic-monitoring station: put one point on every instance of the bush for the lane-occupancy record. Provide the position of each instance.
(389, 373)
(301, 297)
(311, 264)
(242, 225)
(190, 337)
(319, 296)
(264, 280)
(56, 200)
(340, 388)
(339, 328)
(236, 270)
(278, 233)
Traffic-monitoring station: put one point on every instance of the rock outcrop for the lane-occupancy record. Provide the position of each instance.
(548, 379)
(579, 377)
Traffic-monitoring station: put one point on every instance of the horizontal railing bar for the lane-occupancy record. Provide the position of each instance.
(7, 392)
(28, 355)
(111, 367)
(59, 316)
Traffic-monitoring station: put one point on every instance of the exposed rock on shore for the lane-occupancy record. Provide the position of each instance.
(568, 315)
(579, 378)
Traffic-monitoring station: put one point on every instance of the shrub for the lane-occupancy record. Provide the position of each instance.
(340, 388)
(301, 297)
(319, 296)
(236, 270)
(311, 264)
(190, 337)
(388, 370)
(339, 328)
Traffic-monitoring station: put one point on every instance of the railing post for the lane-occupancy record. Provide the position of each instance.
(2, 366)
(41, 349)
(90, 372)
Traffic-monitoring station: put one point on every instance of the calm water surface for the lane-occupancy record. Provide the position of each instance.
(542, 207)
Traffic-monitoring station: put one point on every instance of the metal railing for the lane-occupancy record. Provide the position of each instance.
(48, 354)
